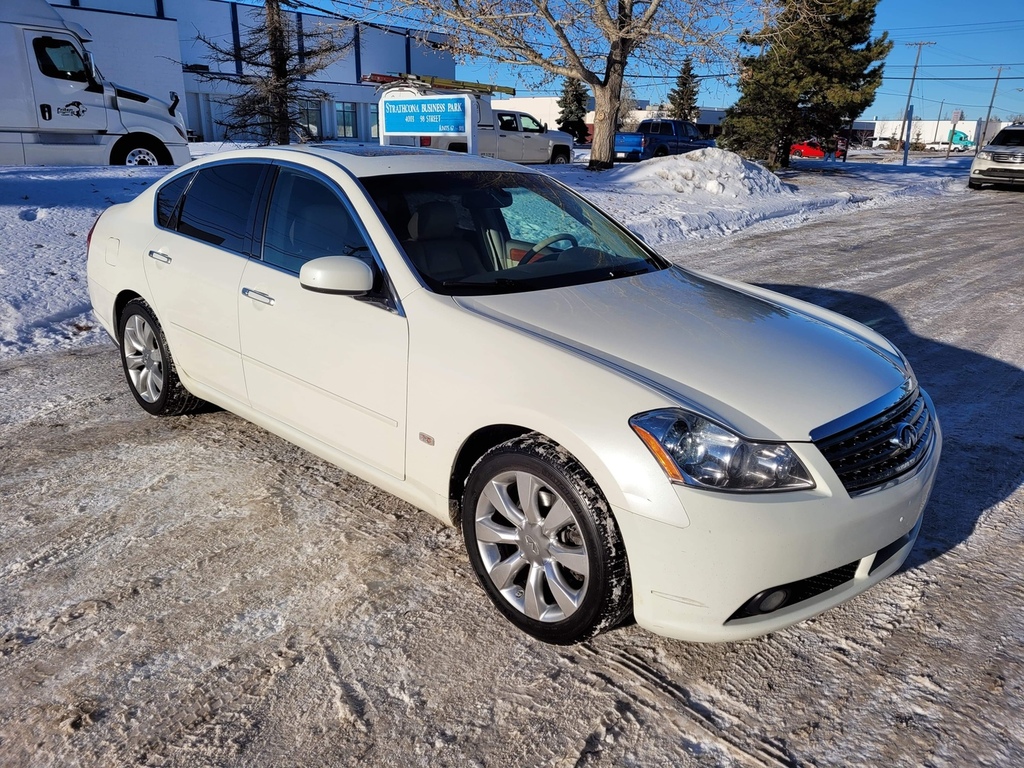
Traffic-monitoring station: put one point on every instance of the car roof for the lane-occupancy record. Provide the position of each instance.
(363, 160)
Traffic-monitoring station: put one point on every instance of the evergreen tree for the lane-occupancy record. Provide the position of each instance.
(573, 110)
(811, 75)
(682, 100)
(265, 75)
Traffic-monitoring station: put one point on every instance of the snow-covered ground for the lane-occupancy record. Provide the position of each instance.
(46, 213)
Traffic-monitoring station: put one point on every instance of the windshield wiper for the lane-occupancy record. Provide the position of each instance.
(628, 271)
(501, 283)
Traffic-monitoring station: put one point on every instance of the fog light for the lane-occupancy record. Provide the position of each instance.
(771, 600)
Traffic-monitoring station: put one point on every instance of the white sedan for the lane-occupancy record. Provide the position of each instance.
(613, 434)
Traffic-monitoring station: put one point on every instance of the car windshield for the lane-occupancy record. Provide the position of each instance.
(1009, 138)
(485, 232)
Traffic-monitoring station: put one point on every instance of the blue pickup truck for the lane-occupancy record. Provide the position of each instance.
(658, 138)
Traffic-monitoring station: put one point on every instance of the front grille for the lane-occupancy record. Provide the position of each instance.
(1008, 157)
(883, 447)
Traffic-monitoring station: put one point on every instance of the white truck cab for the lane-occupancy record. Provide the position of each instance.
(56, 109)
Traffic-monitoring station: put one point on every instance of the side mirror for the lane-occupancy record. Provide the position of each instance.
(543, 127)
(343, 275)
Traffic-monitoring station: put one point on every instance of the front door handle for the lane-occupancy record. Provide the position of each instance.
(262, 298)
(163, 258)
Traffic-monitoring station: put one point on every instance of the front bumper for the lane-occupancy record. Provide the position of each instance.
(690, 582)
(995, 172)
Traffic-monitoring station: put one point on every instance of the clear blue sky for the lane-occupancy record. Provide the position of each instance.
(971, 40)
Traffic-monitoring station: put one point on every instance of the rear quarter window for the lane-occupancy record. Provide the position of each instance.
(167, 198)
(217, 205)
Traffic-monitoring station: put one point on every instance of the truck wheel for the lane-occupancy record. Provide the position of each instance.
(139, 150)
(661, 152)
(560, 157)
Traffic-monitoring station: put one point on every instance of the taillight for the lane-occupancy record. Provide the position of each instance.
(424, 141)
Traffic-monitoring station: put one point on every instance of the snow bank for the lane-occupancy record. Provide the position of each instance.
(712, 171)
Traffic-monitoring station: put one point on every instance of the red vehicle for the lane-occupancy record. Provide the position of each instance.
(809, 148)
(813, 148)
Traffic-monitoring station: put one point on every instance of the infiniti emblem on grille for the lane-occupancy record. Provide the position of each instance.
(905, 439)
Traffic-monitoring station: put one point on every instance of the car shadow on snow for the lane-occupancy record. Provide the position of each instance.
(978, 403)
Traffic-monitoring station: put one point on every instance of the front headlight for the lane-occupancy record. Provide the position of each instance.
(697, 452)
(984, 155)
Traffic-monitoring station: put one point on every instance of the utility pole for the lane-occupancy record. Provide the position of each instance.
(984, 131)
(937, 121)
(917, 59)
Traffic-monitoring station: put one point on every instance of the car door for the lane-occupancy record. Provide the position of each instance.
(194, 265)
(333, 367)
(67, 100)
(535, 143)
(510, 140)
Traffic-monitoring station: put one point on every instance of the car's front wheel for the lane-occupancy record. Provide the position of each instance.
(543, 542)
(148, 365)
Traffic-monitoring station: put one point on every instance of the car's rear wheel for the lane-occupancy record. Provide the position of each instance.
(543, 542)
(148, 365)
(798, 153)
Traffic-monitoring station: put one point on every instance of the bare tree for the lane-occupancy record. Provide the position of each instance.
(590, 40)
(267, 72)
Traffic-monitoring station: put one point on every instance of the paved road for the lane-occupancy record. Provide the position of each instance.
(194, 591)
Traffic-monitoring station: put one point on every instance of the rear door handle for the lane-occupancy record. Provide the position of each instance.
(161, 257)
(262, 298)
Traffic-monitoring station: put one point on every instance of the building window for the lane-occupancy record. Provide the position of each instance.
(346, 112)
(309, 118)
(373, 121)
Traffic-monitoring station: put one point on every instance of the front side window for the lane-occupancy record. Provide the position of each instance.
(59, 59)
(307, 220)
(216, 207)
(531, 125)
(486, 232)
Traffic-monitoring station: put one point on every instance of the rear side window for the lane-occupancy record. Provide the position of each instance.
(216, 207)
(167, 200)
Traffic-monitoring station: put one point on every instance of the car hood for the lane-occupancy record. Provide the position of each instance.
(759, 364)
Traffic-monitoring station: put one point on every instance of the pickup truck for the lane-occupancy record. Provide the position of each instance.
(514, 136)
(658, 138)
(959, 141)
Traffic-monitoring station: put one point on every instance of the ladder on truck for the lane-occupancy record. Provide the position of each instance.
(431, 81)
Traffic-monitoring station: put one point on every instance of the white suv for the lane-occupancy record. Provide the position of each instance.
(1001, 161)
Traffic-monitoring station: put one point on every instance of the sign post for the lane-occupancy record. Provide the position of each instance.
(406, 114)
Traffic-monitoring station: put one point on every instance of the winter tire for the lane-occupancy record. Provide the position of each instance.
(148, 365)
(542, 540)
